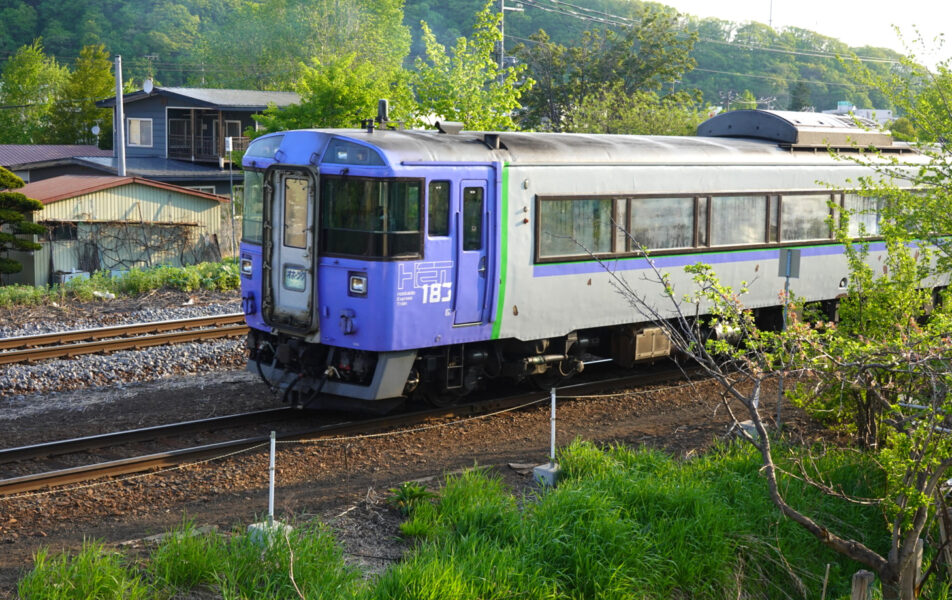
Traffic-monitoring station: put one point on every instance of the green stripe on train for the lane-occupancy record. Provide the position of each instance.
(503, 249)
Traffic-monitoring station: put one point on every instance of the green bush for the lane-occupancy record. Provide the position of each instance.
(221, 276)
(23, 295)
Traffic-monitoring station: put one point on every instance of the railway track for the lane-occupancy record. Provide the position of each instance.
(126, 466)
(67, 344)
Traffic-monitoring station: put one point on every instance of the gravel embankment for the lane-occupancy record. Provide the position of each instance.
(106, 318)
(120, 367)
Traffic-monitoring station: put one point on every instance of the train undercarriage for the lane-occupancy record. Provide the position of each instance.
(312, 374)
(320, 375)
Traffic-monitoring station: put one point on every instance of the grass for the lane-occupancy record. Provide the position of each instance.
(207, 276)
(231, 567)
(622, 524)
(633, 524)
(93, 573)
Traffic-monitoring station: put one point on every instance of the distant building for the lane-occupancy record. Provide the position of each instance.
(880, 115)
(114, 223)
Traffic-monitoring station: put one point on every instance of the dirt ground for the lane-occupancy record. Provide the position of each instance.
(343, 483)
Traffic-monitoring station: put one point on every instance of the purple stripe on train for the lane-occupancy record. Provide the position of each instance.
(682, 260)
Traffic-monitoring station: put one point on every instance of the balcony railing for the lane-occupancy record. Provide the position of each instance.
(205, 147)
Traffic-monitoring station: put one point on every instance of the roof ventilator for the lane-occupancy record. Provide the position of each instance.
(801, 130)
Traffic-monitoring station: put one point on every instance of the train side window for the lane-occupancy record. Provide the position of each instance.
(773, 219)
(621, 218)
(865, 214)
(438, 209)
(662, 223)
(472, 218)
(738, 220)
(251, 224)
(575, 227)
(804, 217)
(702, 222)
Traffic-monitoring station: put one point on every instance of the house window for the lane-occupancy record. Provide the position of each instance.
(62, 231)
(140, 132)
(233, 129)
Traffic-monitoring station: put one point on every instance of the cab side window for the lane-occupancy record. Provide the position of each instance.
(438, 209)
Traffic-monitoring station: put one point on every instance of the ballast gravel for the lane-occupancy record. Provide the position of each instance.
(109, 318)
(120, 367)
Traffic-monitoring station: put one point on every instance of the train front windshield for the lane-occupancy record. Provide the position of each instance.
(373, 218)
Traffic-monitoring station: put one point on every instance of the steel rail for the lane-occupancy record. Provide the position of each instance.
(28, 483)
(121, 343)
(84, 335)
(104, 440)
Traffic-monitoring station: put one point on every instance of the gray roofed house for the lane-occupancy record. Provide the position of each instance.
(191, 124)
(174, 134)
(254, 100)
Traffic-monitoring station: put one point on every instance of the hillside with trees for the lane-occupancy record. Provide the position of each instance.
(254, 44)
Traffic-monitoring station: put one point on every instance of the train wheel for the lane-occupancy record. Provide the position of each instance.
(438, 398)
(556, 374)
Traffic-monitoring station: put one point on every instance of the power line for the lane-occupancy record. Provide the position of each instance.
(619, 21)
(775, 77)
(749, 75)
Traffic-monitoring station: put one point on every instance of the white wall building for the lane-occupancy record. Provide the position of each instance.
(880, 115)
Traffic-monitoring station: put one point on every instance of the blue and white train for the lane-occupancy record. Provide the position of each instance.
(382, 263)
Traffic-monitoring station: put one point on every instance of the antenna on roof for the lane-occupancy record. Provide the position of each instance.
(383, 112)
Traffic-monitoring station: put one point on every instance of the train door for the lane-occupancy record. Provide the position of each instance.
(472, 252)
(291, 239)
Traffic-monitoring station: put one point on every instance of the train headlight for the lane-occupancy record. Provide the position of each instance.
(246, 267)
(357, 284)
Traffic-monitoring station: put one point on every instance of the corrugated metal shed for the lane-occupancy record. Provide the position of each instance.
(116, 223)
(66, 187)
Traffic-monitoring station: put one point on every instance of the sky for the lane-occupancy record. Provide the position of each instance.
(857, 23)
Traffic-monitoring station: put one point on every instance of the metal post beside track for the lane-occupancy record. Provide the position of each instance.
(271, 482)
(552, 422)
(548, 475)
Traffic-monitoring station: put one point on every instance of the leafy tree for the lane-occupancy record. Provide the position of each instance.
(902, 129)
(921, 206)
(746, 101)
(799, 96)
(467, 84)
(14, 211)
(612, 110)
(286, 34)
(340, 93)
(75, 113)
(31, 82)
(607, 66)
(878, 353)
